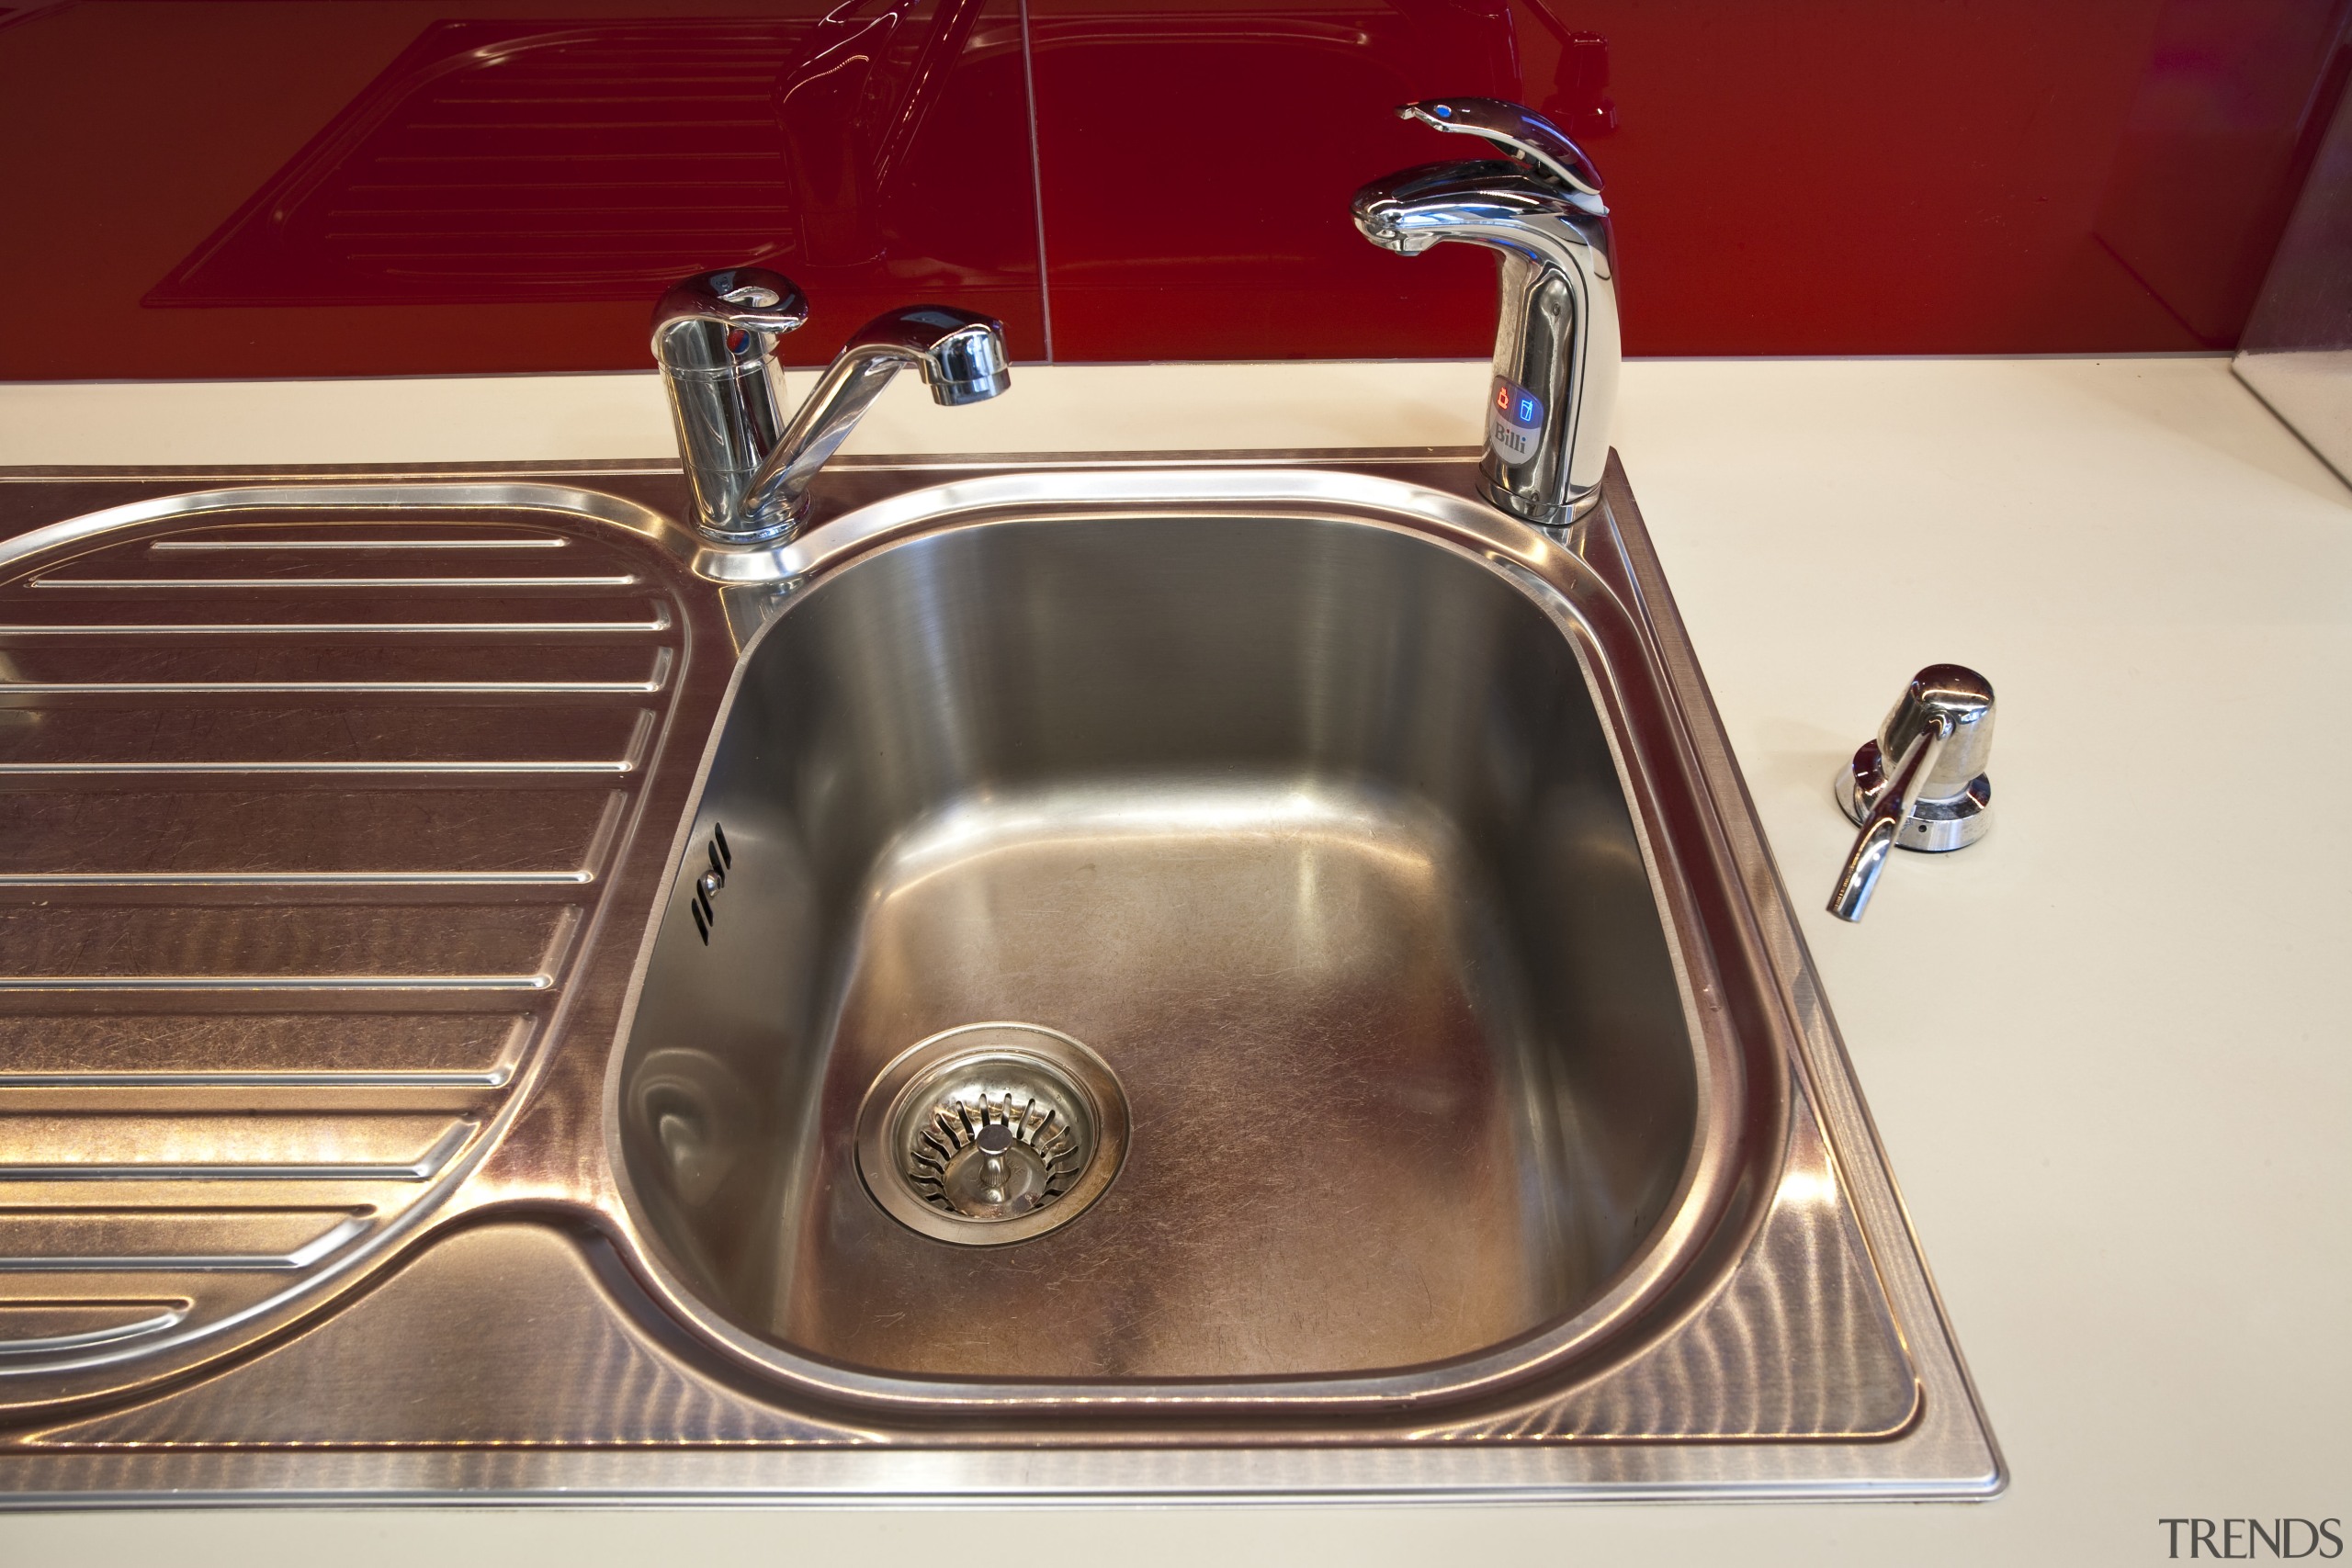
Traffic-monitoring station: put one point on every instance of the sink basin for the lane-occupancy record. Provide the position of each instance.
(1070, 981)
(1311, 826)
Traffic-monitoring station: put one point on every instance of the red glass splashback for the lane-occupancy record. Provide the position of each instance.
(303, 187)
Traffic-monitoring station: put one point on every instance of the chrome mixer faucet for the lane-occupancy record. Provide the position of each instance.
(715, 336)
(1557, 347)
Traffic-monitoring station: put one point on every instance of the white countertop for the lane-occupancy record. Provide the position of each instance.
(2105, 1048)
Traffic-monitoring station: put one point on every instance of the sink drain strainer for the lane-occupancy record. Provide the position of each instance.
(990, 1134)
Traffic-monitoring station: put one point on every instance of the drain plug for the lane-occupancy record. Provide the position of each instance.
(990, 1134)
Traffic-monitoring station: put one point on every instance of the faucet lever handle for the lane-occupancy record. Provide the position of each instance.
(1514, 129)
(696, 317)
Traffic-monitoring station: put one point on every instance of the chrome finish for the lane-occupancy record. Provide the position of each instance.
(715, 336)
(991, 1134)
(1514, 129)
(1919, 783)
(1488, 1134)
(1556, 346)
(960, 356)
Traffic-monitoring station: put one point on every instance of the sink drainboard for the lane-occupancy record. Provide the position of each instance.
(991, 1134)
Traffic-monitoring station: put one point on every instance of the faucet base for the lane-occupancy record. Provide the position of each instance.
(1936, 826)
(783, 530)
(1529, 509)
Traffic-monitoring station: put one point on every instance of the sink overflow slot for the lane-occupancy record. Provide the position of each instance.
(708, 884)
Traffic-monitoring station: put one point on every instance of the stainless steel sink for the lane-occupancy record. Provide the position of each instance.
(1310, 825)
(1213, 979)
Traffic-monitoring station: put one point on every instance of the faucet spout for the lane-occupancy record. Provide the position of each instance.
(714, 334)
(960, 356)
(1557, 343)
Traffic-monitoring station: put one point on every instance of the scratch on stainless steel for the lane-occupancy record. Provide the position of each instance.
(1314, 826)
(1720, 1298)
(374, 541)
(580, 1369)
(1692, 1382)
(526, 584)
(439, 1355)
(41, 1328)
(1951, 1439)
(291, 895)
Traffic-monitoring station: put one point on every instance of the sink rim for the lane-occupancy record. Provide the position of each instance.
(1741, 1088)
(1675, 1419)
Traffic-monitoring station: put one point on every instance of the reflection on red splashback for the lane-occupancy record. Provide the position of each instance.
(2221, 131)
(602, 161)
(262, 187)
(389, 187)
(1578, 101)
(1196, 162)
(493, 156)
(1811, 176)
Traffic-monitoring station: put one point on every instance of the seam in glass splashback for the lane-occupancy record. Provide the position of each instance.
(1036, 181)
